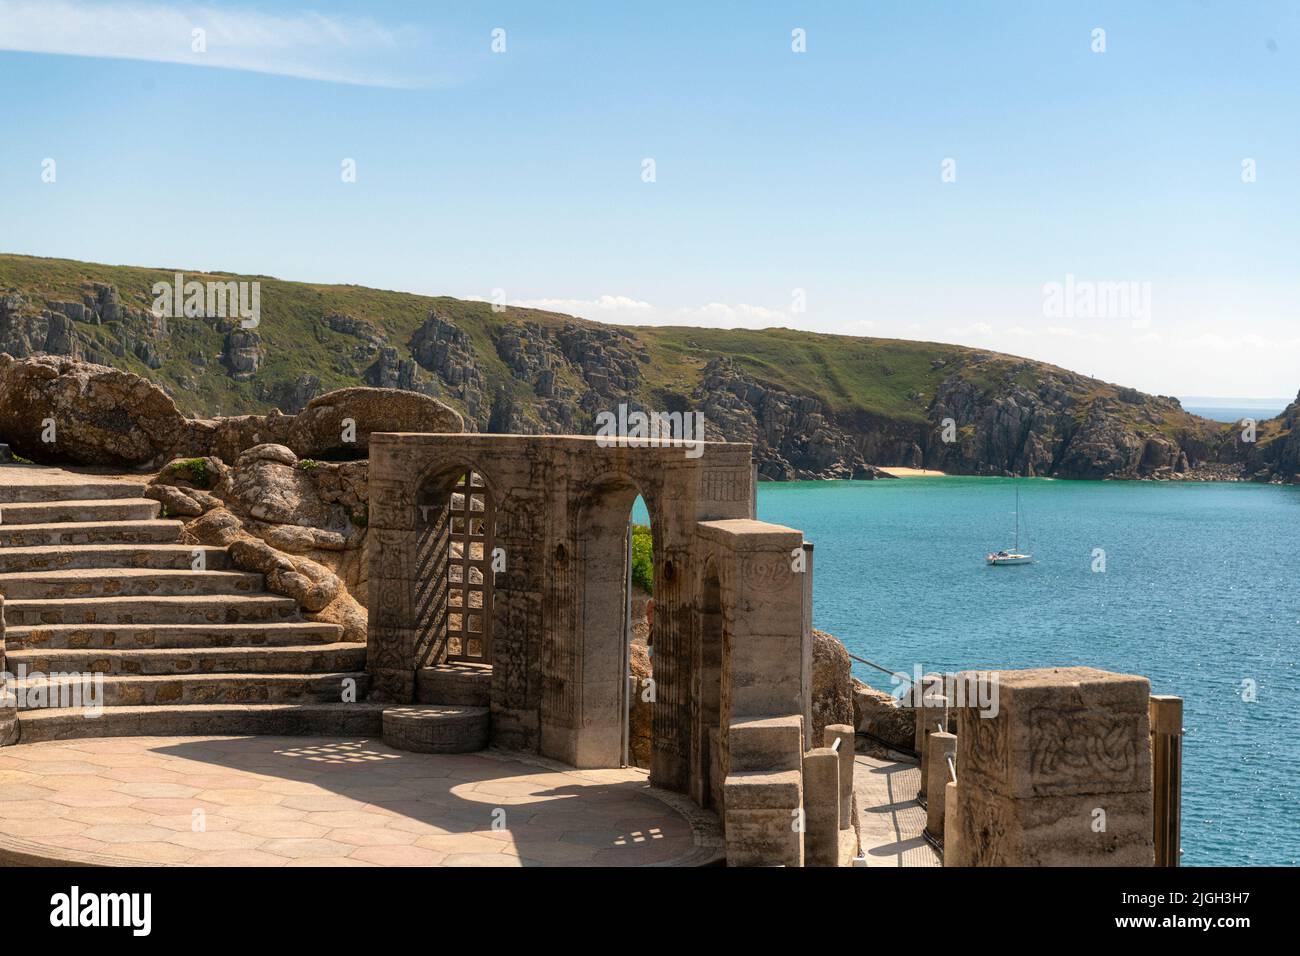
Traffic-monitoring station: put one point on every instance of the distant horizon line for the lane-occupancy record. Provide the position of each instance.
(1209, 401)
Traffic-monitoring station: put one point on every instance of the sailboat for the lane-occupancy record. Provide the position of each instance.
(1013, 556)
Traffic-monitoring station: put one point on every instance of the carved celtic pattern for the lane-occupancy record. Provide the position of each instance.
(986, 745)
(1082, 746)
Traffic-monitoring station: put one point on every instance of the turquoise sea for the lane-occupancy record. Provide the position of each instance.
(1201, 592)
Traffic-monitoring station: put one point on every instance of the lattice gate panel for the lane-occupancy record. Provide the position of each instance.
(469, 571)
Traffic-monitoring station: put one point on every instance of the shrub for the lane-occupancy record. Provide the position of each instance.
(195, 471)
(643, 558)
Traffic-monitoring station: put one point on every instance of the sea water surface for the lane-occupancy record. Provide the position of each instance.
(1200, 593)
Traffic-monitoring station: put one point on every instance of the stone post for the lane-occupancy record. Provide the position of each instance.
(1058, 771)
(941, 747)
(821, 798)
(933, 712)
(844, 734)
(914, 698)
(953, 854)
(1167, 777)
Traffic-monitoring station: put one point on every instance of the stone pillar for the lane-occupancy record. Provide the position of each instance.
(761, 817)
(941, 746)
(913, 699)
(953, 854)
(1057, 772)
(821, 798)
(933, 713)
(806, 650)
(844, 734)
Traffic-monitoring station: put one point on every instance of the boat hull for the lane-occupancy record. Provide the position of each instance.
(1010, 559)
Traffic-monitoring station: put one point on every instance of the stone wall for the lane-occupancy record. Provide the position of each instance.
(562, 506)
(1060, 776)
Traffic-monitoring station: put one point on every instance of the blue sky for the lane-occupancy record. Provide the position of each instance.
(775, 171)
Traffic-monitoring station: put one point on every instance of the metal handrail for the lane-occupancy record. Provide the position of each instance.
(883, 670)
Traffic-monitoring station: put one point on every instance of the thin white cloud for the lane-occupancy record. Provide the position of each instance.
(630, 310)
(977, 328)
(1054, 331)
(1214, 342)
(305, 44)
(604, 305)
(741, 315)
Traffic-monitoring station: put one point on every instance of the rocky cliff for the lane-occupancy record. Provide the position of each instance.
(813, 406)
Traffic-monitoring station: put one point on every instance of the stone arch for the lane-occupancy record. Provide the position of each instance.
(598, 530)
(442, 579)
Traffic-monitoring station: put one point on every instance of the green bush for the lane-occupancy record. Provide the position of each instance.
(195, 470)
(643, 558)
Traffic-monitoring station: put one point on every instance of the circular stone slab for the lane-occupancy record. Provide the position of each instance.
(436, 729)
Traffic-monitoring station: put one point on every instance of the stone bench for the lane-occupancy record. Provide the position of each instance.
(436, 730)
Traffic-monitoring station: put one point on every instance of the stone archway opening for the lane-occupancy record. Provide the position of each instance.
(640, 651)
(613, 695)
(454, 570)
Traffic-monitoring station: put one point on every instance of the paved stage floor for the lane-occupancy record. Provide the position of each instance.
(326, 801)
(892, 820)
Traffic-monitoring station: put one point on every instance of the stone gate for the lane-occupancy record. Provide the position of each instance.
(731, 629)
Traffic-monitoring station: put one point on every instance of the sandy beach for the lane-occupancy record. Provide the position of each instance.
(911, 472)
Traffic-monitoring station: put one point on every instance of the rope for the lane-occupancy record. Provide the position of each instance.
(883, 670)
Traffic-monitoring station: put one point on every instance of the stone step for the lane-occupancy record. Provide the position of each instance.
(104, 509)
(124, 582)
(765, 743)
(459, 684)
(156, 531)
(201, 720)
(173, 557)
(185, 609)
(67, 488)
(154, 690)
(128, 636)
(431, 729)
(305, 659)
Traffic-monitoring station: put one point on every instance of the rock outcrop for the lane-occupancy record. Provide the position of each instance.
(832, 685)
(878, 714)
(299, 527)
(339, 424)
(792, 436)
(445, 350)
(1274, 453)
(57, 410)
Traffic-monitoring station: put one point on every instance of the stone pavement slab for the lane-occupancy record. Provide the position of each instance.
(331, 801)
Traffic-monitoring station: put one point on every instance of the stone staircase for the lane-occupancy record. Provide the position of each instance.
(95, 582)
